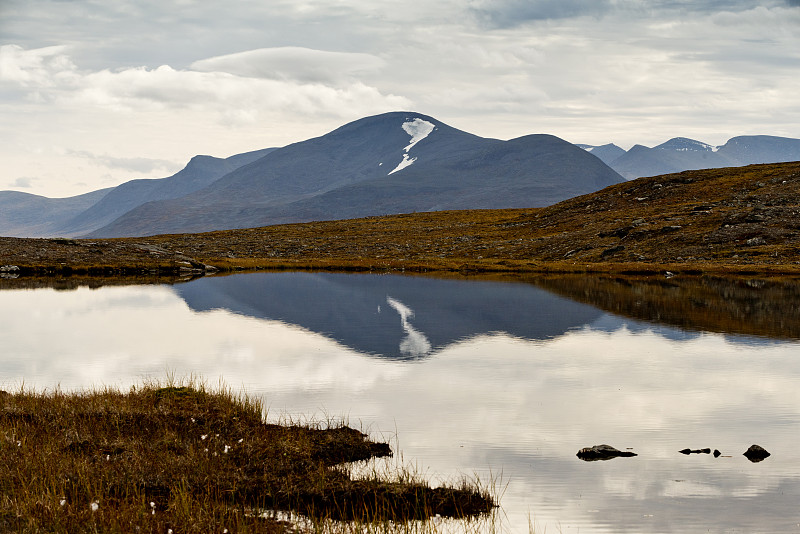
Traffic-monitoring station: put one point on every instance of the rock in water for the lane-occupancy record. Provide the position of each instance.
(601, 452)
(695, 451)
(756, 453)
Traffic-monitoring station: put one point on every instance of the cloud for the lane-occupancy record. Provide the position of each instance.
(23, 182)
(141, 165)
(509, 13)
(292, 64)
(33, 68)
(512, 13)
(233, 98)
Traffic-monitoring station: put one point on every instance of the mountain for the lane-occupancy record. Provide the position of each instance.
(24, 215)
(398, 162)
(198, 173)
(607, 153)
(751, 149)
(682, 154)
(678, 154)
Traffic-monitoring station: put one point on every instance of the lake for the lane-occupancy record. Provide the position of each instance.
(500, 379)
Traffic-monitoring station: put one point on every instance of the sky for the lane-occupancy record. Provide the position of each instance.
(97, 92)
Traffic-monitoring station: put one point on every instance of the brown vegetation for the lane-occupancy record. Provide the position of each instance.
(742, 219)
(185, 459)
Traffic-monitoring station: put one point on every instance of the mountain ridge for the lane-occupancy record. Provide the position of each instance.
(374, 166)
(682, 154)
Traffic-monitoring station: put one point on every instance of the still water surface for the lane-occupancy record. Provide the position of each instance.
(496, 379)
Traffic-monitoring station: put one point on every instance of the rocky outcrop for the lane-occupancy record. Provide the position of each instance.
(602, 452)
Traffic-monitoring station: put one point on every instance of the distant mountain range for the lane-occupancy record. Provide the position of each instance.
(398, 162)
(682, 154)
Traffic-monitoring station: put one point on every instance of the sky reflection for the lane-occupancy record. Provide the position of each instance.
(494, 403)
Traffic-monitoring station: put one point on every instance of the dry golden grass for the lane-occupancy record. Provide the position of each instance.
(183, 458)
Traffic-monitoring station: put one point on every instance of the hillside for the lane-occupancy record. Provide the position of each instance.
(718, 220)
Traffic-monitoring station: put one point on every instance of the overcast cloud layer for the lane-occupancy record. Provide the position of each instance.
(94, 93)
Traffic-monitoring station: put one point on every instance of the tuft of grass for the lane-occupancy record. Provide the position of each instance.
(179, 456)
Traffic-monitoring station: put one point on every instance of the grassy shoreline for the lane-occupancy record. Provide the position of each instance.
(184, 458)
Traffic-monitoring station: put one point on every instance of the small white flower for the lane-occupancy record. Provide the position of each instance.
(63, 502)
(108, 457)
(94, 506)
(241, 440)
(227, 448)
(204, 436)
(169, 531)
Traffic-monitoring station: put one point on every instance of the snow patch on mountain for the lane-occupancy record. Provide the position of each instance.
(418, 129)
(683, 144)
(403, 164)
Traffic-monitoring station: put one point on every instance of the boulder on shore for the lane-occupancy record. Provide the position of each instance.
(602, 452)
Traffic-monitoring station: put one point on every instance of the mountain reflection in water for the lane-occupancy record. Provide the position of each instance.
(398, 317)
